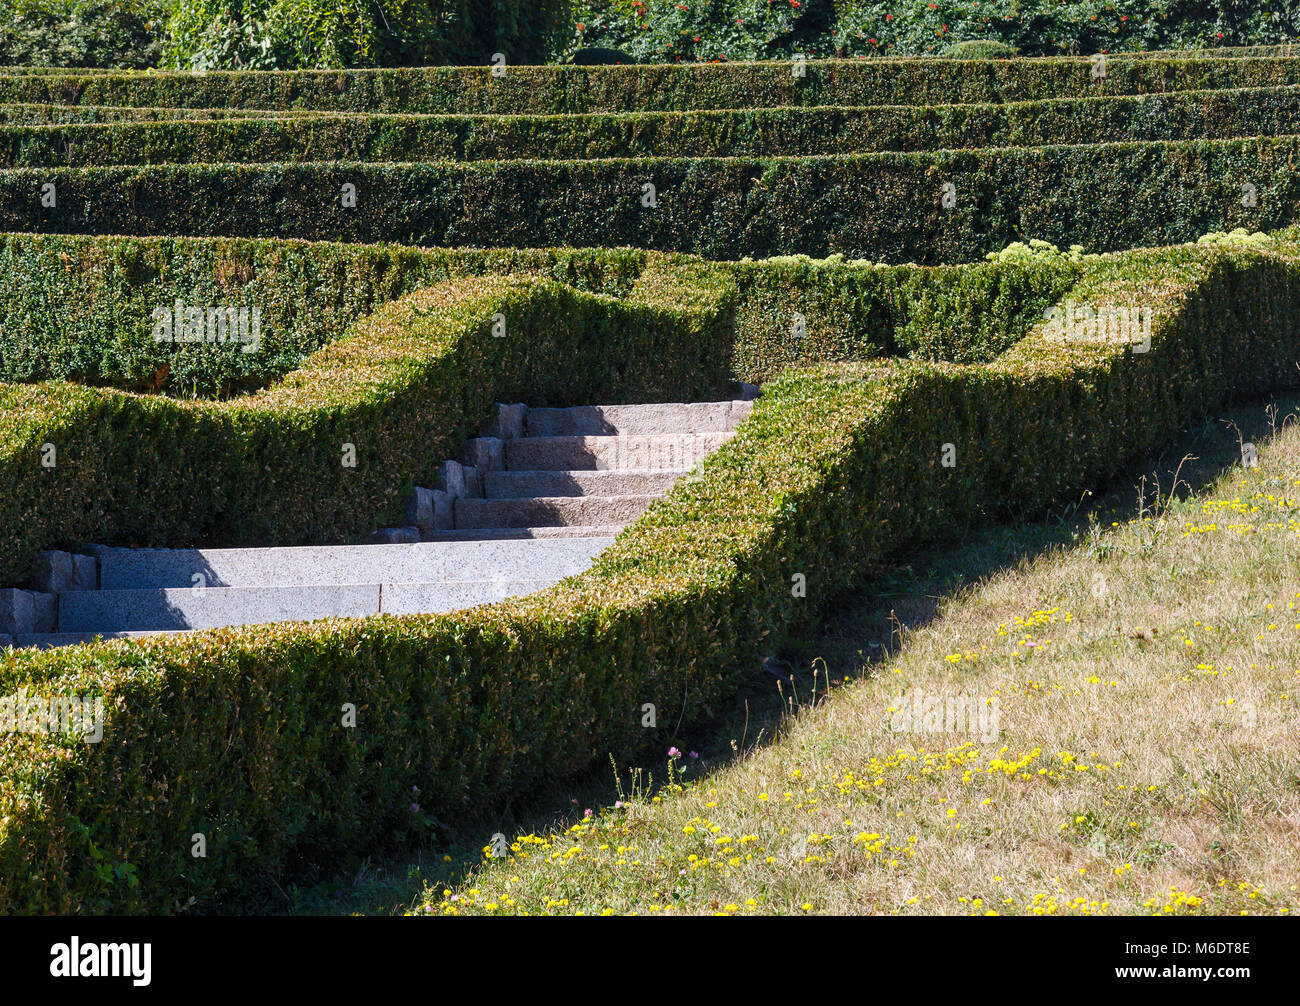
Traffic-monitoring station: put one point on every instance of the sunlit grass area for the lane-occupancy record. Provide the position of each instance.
(1106, 724)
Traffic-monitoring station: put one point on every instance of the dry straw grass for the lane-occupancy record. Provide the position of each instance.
(1147, 758)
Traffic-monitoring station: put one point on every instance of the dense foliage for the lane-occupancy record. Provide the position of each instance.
(82, 33)
(290, 34)
(286, 34)
(672, 30)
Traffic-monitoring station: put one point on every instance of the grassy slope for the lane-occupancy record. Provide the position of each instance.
(1147, 762)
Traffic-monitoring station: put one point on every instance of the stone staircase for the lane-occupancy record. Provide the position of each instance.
(535, 499)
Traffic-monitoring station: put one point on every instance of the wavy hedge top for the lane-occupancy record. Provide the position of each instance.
(836, 467)
(81, 308)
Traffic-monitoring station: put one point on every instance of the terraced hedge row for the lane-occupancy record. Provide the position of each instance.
(880, 206)
(43, 115)
(82, 308)
(270, 466)
(271, 462)
(549, 89)
(834, 468)
(1186, 115)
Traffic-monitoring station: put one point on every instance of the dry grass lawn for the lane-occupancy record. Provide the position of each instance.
(1109, 728)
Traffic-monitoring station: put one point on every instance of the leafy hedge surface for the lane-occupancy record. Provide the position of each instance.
(270, 464)
(966, 313)
(881, 206)
(1043, 27)
(288, 34)
(833, 468)
(46, 115)
(81, 308)
(554, 89)
(666, 30)
(1184, 115)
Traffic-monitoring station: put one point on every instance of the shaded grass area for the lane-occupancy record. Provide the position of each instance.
(1206, 837)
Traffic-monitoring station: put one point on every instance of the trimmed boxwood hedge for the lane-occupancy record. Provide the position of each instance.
(80, 308)
(544, 89)
(1184, 115)
(44, 115)
(236, 733)
(119, 480)
(267, 469)
(886, 206)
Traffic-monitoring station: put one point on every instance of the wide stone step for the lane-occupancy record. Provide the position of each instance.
(624, 420)
(553, 510)
(106, 611)
(211, 607)
(425, 562)
(607, 532)
(614, 482)
(671, 451)
(429, 598)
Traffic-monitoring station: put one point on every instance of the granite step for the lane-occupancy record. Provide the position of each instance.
(324, 565)
(115, 611)
(670, 451)
(612, 482)
(628, 420)
(582, 511)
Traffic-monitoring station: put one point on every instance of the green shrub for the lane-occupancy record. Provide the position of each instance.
(666, 31)
(1190, 115)
(122, 34)
(982, 48)
(1035, 251)
(1238, 238)
(81, 309)
(1048, 27)
(236, 733)
(886, 207)
(313, 34)
(560, 89)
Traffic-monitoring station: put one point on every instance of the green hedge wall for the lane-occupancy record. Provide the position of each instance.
(47, 115)
(880, 206)
(963, 314)
(1189, 115)
(546, 89)
(266, 469)
(81, 308)
(834, 468)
